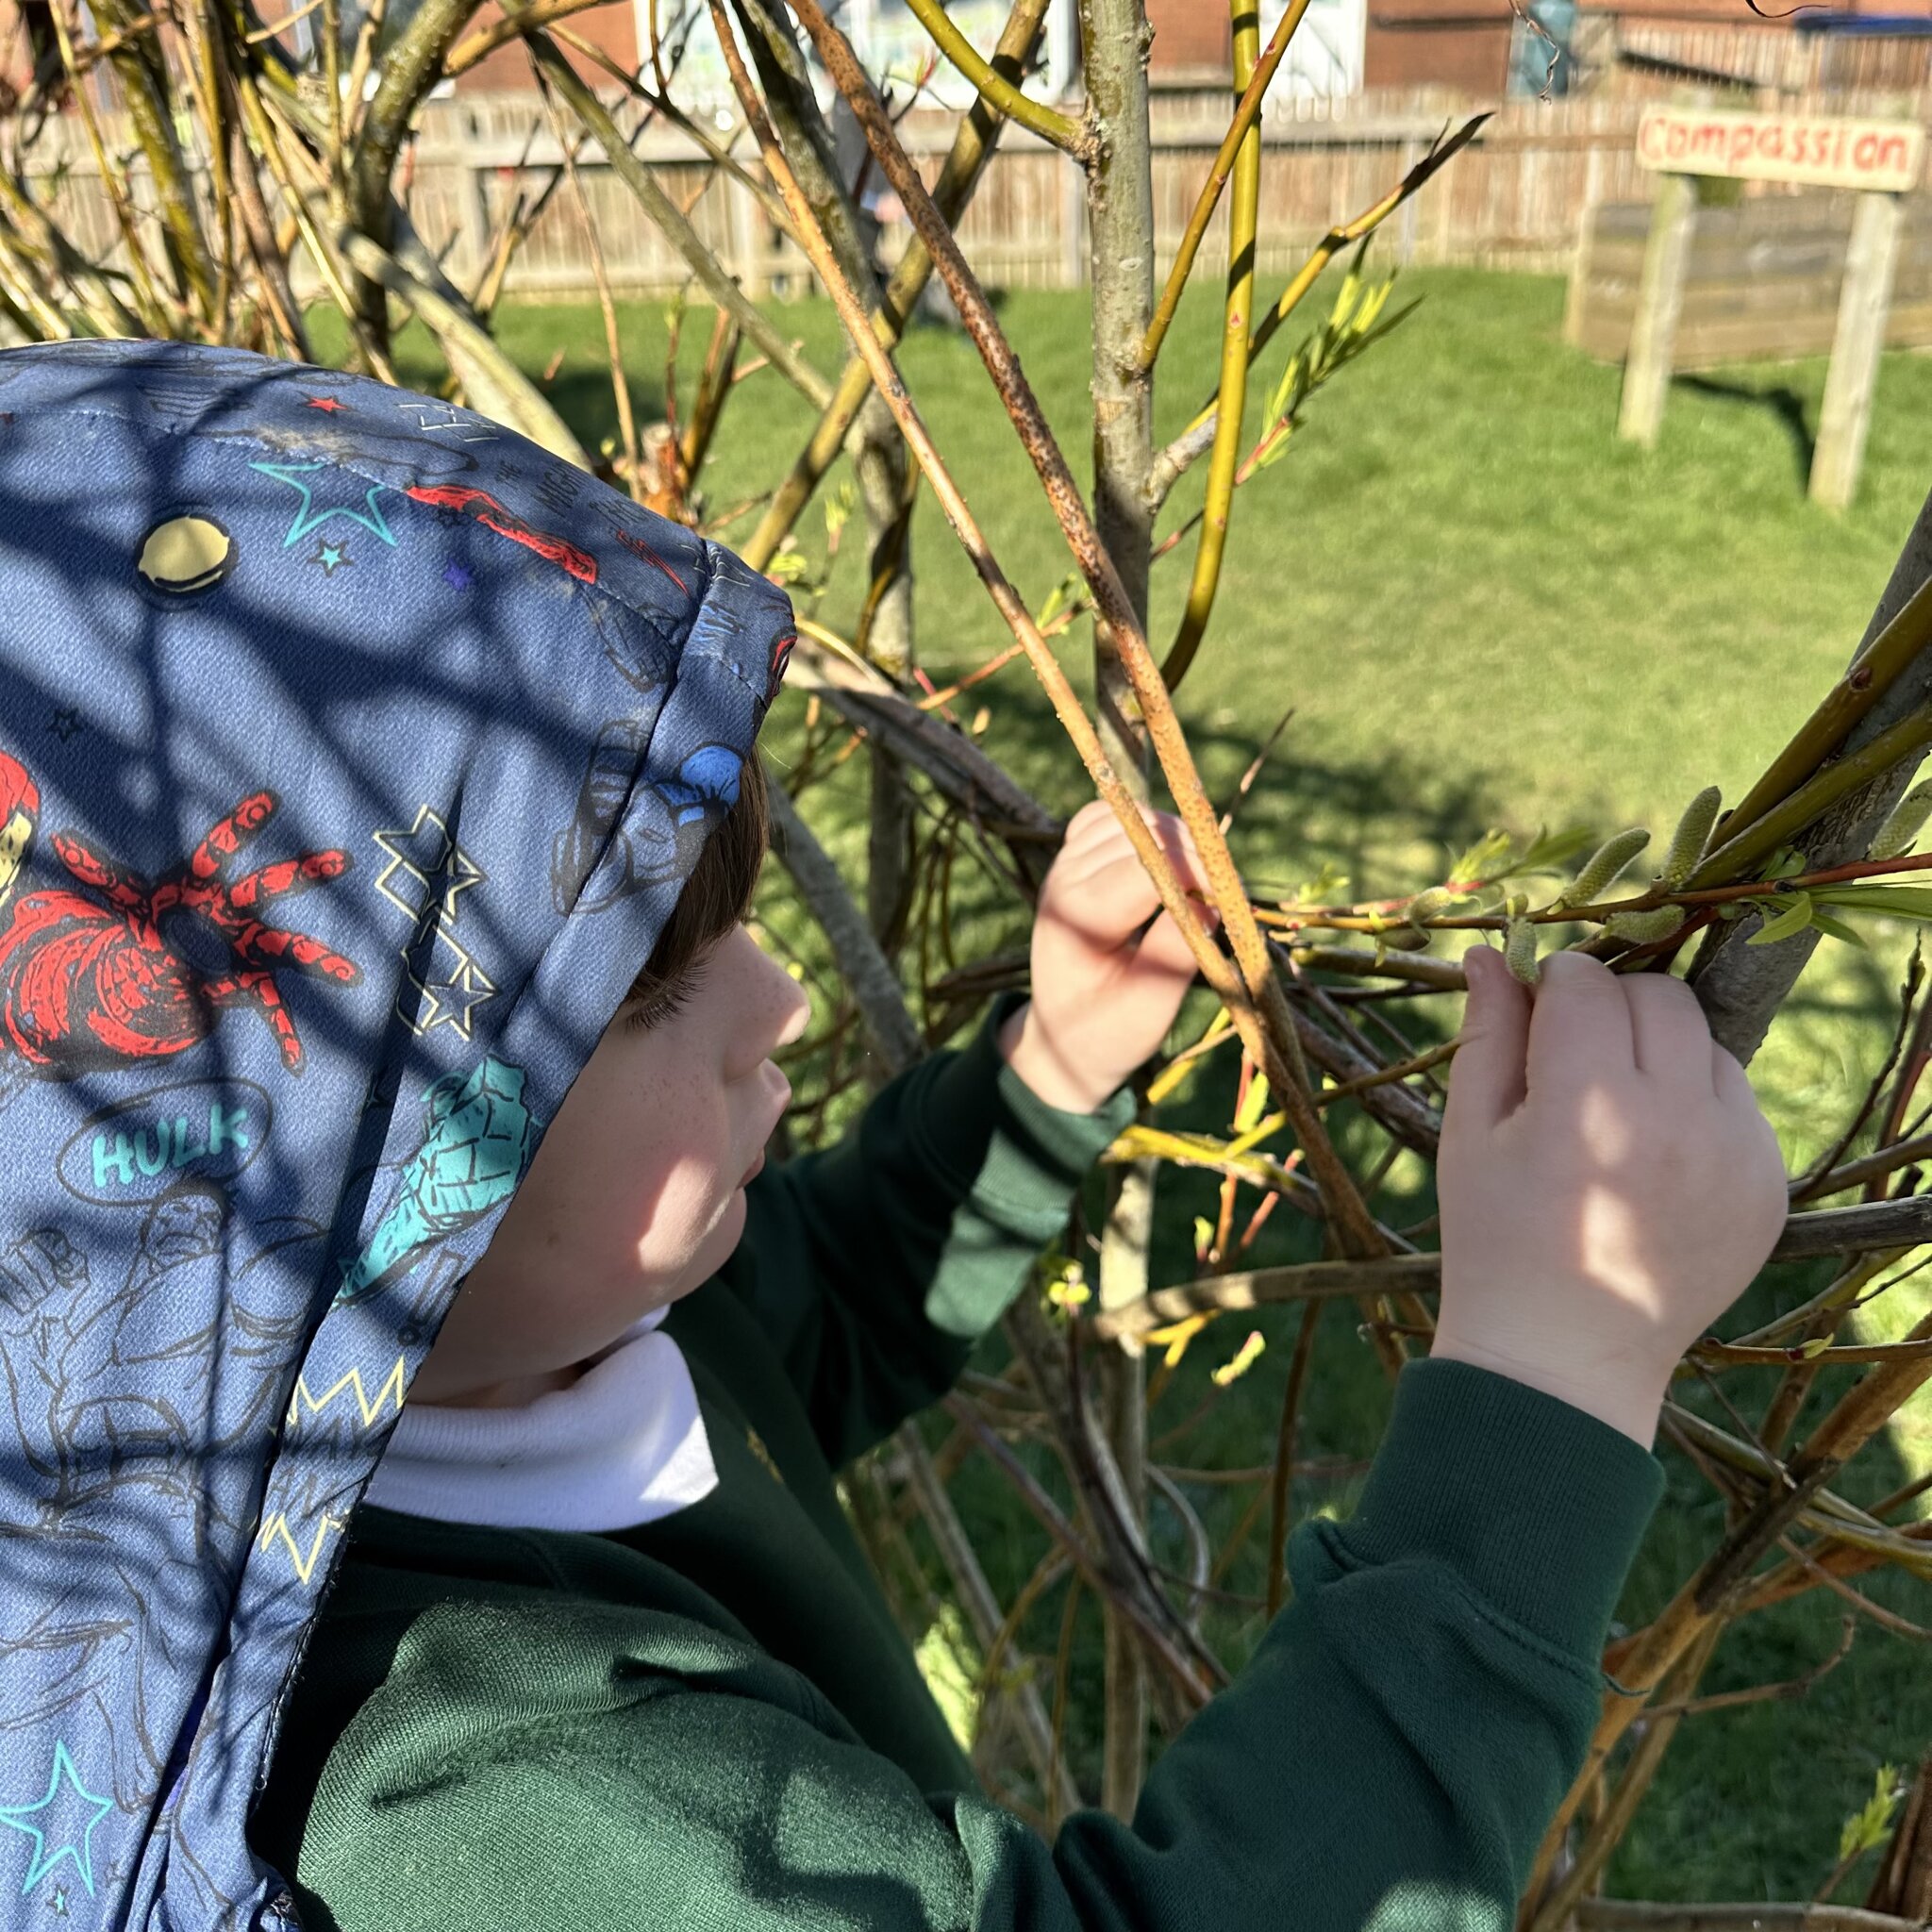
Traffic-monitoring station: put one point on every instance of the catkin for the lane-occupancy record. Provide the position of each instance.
(1895, 835)
(1519, 950)
(1687, 842)
(1653, 924)
(1609, 858)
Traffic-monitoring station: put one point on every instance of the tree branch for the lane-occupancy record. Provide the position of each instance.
(996, 88)
(864, 968)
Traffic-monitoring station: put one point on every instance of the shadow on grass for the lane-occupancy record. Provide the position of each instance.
(1784, 402)
(1783, 1774)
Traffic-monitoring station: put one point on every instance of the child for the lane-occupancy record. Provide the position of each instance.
(598, 1647)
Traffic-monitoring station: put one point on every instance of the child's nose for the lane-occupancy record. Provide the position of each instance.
(794, 1008)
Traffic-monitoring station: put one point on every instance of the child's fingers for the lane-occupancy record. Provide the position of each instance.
(1486, 1083)
(1164, 955)
(1088, 825)
(1116, 892)
(1106, 843)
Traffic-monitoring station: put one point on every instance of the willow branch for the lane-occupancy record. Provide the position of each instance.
(315, 235)
(963, 774)
(470, 348)
(997, 89)
(1247, 115)
(613, 341)
(1805, 1236)
(485, 41)
(1252, 994)
(664, 215)
(1198, 436)
(151, 108)
(1631, 1915)
(408, 69)
(982, 1608)
(972, 145)
(1243, 213)
(863, 965)
(1700, 1604)
(1739, 985)
(113, 186)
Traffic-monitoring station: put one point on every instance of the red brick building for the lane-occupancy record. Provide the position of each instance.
(1468, 44)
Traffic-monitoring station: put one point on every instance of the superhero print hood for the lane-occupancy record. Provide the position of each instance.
(354, 751)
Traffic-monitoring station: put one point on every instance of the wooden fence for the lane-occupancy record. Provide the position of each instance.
(1762, 279)
(1518, 197)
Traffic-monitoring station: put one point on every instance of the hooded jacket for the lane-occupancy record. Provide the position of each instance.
(353, 753)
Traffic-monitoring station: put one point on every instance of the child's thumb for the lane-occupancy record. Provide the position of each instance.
(1486, 1081)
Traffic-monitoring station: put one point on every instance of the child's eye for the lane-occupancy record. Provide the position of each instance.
(665, 1004)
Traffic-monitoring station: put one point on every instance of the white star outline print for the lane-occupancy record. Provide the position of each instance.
(426, 872)
(434, 418)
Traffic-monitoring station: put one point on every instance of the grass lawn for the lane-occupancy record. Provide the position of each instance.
(1484, 610)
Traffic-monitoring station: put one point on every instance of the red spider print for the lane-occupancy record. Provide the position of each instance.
(506, 523)
(85, 984)
(781, 652)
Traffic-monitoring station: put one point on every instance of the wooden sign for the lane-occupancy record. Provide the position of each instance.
(1879, 159)
(1831, 153)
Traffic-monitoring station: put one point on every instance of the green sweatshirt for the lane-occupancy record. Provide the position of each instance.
(711, 1723)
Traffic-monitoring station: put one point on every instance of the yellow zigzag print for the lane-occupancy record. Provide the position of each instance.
(277, 1526)
(391, 1388)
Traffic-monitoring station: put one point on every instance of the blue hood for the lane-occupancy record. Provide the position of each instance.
(354, 751)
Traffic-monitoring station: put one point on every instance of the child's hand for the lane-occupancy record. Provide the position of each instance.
(1104, 992)
(1608, 1184)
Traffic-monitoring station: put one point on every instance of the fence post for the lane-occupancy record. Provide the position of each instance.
(1660, 296)
(747, 257)
(1072, 224)
(1577, 297)
(1405, 236)
(1863, 303)
(475, 213)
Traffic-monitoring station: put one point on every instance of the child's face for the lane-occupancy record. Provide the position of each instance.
(637, 1193)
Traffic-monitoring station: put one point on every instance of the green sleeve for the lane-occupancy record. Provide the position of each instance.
(1387, 1762)
(875, 1265)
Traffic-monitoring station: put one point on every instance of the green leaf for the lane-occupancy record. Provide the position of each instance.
(1837, 928)
(1902, 902)
(1486, 856)
(1785, 863)
(1793, 918)
(951, 1665)
(1058, 597)
(1253, 1106)
(1866, 1828)
(1551, 852)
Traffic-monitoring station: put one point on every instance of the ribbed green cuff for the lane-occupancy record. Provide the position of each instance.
(1539, 1506)
(1037, 1154)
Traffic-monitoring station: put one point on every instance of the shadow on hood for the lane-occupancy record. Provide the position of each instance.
(354, 751)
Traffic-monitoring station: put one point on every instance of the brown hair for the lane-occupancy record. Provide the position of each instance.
(715, 897)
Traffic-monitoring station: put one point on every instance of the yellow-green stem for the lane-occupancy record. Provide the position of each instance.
(1247, 115)
(1243, 216)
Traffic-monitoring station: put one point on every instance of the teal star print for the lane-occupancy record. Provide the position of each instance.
(331, 556)
(309, 517)
(17, 1815)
